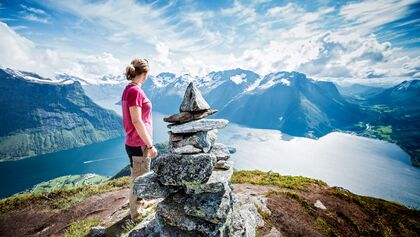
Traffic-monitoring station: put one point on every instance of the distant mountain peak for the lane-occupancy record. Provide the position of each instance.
(408, 85)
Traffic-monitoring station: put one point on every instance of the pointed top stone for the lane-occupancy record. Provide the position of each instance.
(193, 100)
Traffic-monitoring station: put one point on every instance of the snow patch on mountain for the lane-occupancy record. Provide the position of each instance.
(285, 82)
(105, 79)
(238, 79)
(409, 84)
(163, 79)
(254, 85)
(33, 77)
(274, 79)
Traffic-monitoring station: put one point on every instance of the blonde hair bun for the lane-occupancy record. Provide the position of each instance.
(136, 67)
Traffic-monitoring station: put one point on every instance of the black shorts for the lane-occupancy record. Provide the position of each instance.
(133, 151)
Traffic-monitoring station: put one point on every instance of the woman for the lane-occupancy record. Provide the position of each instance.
(137, 121)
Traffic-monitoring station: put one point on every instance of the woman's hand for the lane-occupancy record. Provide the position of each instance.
(153, 152)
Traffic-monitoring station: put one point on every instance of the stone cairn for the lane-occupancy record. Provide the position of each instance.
(193, 179)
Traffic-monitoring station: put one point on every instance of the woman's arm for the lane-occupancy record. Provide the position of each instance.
(135, 113)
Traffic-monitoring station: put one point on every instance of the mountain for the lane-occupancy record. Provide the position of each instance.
(105, 91)
(359, 90)
(405, 95)
(42, 115)
(288, 101)
(292, 103)
(396, 112)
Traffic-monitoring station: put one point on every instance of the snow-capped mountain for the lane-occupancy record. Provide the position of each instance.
(405, 94)
(105, 79)
(33, 77)
(288, 101)
(292, 103)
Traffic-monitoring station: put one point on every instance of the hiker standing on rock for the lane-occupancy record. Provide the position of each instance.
(137, 121)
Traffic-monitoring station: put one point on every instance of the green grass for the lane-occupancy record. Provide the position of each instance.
(81, 228)
(325, 228)
(271, 178)
(67, 182)
(61, 198)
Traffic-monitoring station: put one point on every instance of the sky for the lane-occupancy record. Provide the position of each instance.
(343, 41)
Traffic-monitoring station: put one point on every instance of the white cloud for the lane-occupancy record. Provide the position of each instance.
(162, 56)
(15, 49)
(260, 35)
(244, 14)
(281, 10)
(33, 17)
(295, 39)
(365, 16)
(21, 53)
(34, 14)
(134, 19)
(33, 10)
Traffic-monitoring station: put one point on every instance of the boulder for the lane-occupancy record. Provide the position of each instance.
(218, 182)
(198, 125)
(148, 227)
(220, 151)
(245, 218)
(171, 211)
(178, 170)
(148, 186)
(193, 100)
(223, 164)
(184, 117)
(212, 207)
(97, 231)
(192, 142)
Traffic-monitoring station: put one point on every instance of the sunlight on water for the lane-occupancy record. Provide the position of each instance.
(364, 166)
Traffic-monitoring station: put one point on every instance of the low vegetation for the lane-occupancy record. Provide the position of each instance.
(81, 227)
(63, 197)
(272, 178)
(346, 213)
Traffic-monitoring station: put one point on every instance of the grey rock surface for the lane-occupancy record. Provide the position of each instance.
(218, 182)
(192, 142)
(193, 100)
(220, 150)
(198, 125)
(223, 164)
(149, 227)
(97, 231)
(178, 170)
(212, 207)
(184, 117)
(148, 186)
(171, 210)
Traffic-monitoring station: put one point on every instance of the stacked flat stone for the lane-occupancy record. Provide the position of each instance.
(193, 178)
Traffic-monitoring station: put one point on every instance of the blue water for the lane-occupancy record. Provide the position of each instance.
(104, 158)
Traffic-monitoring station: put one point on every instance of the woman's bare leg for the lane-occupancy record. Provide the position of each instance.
(141, 165)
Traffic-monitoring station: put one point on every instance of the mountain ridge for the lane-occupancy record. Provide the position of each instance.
(49, 115)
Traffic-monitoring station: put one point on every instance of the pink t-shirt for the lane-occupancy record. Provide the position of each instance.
(133, 95)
